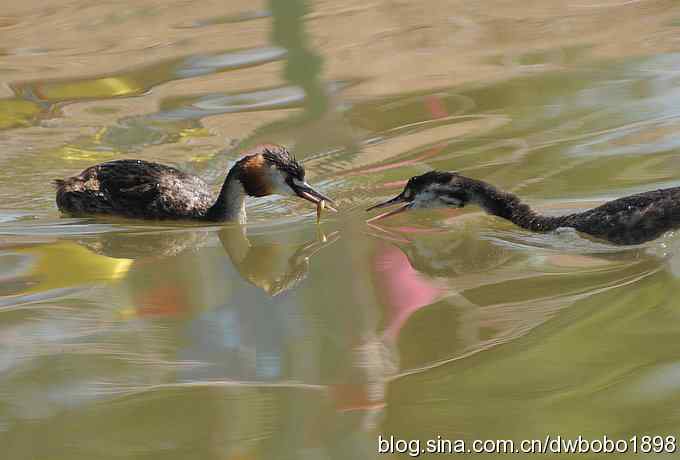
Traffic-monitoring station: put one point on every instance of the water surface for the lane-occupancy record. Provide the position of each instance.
(133, 340)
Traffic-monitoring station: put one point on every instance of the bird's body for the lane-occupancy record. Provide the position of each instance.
(633, 219)
(135, 189)
(629, 220)
(144, 190)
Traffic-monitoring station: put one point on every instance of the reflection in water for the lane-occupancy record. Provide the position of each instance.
(41, 271)
(443, 272)
(177, 323)
(227, 19)
(135, 341)
(571, 362)
(39, 99)
(139, 81)
(303, 65)
(43, 267)
(260, 264)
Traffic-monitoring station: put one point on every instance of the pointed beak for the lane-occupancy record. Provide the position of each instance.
(304, 190)
(397, 199)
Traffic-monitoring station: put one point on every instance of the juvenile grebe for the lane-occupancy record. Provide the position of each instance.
(144, 190)
(630, 220)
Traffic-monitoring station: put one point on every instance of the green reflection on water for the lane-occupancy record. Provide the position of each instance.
(589, 371)
(132, 340)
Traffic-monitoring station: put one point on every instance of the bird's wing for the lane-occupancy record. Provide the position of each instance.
(139, 188)
(130, 184)
(633, 219)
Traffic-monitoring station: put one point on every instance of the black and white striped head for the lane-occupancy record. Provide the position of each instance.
(434, 189)
(269, 169)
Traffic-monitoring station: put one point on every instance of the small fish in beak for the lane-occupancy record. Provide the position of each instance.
(319, 208)
(304, 190)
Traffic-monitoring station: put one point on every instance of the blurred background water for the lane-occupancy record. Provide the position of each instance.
(132, 340)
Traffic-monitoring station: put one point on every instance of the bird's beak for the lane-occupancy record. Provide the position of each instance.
(304, 190)
(397, 199)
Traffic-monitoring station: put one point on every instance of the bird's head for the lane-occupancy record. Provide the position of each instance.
(269, 169)
(434, 189)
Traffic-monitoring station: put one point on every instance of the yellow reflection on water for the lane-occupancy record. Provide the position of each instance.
(65, 264)
(16, 113)
(98, 88)
(449, 323)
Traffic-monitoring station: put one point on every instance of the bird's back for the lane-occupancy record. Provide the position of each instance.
(633, 219)
(136, 189)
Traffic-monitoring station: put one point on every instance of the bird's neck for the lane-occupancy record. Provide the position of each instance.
(510, 207)
(231, 202)
(235, 243)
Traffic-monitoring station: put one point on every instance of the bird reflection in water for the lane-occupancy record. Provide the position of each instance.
(270, 266)
(161, 261)
(420, 275)
(457, 283)
(55, 267)
(328, 379)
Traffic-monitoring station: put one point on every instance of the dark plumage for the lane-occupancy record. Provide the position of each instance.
(134, 188)
(633, 219)
(630, 220)
(140, 189)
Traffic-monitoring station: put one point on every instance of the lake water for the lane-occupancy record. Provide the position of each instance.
(133, 340)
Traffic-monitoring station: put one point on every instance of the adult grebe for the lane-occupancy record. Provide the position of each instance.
(144, 190)
(630, 220)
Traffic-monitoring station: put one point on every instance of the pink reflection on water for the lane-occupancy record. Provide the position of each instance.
(403, 289)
